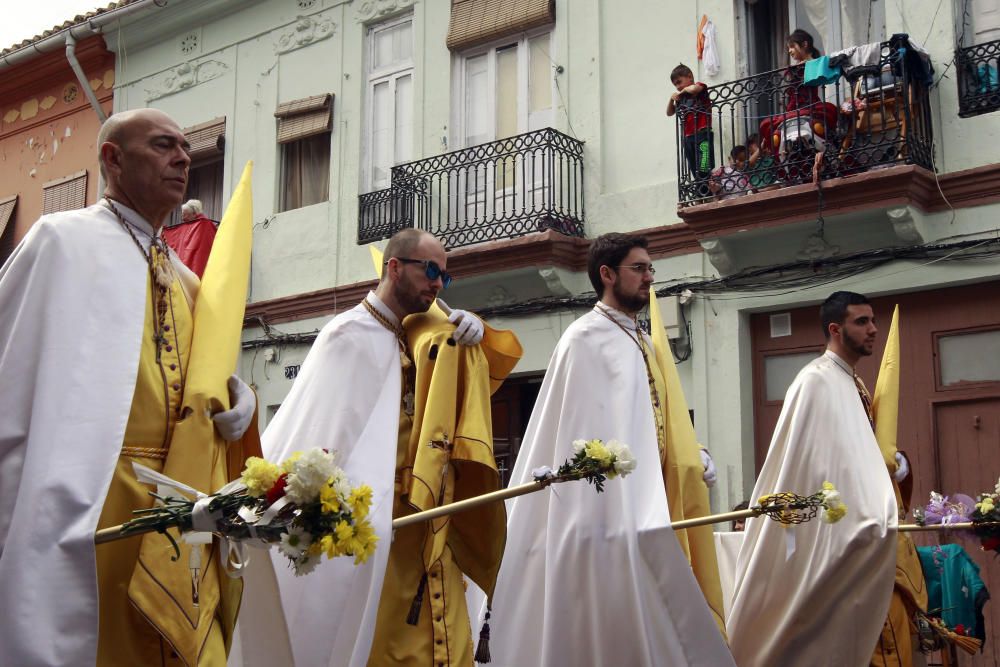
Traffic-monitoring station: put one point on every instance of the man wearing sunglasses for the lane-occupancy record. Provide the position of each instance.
(399, 387)
(593, 579)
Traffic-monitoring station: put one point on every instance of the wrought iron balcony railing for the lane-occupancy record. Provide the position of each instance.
(504, 189)
(771, 130)
(978, 78)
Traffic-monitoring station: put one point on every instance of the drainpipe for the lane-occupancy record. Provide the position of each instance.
(92, 26)
(82, 78)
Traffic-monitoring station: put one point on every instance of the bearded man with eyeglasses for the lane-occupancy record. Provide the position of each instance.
(399, 387)
(603, 580)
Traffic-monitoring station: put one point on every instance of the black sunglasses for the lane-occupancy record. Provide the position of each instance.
(431, 269)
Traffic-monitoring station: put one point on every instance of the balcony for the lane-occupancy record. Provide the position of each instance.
(978, 81)
(771, 131)
(504, 189)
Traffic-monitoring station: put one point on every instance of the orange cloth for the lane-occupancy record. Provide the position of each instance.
(701, 36)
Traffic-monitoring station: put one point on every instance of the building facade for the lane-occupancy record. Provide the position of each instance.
(48, 135)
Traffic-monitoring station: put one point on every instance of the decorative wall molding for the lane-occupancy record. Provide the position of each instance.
(305, 31)
(718, 255)
(184, 76)
(904, 224)
(375, 9)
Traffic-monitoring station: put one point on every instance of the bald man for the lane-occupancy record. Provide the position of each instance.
(95, 332)
(401, 394)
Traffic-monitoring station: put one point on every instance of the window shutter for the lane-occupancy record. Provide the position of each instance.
(65, 194)
(6, 212)
(304, 118)
(475, 22)
(207, 139)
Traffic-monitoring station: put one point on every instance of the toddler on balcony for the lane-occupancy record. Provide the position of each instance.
(694, 111)
(731, 181)
(762, 167)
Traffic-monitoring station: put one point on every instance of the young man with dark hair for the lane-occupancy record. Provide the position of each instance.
(840, 578)
(615, 551)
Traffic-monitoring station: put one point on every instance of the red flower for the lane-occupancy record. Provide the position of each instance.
(278, 490)
(991, 543)
(960, 629)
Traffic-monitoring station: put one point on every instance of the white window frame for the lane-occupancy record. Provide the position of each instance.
(374, 77)
(459, 91)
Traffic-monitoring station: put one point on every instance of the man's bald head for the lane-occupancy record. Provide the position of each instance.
(404, 242)
(120, 128)
(144, 160)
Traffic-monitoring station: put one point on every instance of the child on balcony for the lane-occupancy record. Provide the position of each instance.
(694, 111)
(730, 181)
(762, 167)
(800, 49)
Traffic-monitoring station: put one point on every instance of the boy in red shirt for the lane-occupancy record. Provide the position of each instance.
(694, 109)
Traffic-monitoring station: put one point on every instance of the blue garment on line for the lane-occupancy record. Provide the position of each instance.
(954, 587)
(819, 73)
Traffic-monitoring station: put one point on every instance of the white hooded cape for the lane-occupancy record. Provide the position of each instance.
(587, 578)
(72, 306)
(346, 399)
(817, 594)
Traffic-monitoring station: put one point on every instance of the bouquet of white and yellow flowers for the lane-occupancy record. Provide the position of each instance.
(306, 505)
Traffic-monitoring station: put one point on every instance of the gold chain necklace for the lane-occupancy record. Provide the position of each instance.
(653, 393)
(162, 276)
(405, 357)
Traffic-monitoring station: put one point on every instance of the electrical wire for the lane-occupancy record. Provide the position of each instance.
(772, 280)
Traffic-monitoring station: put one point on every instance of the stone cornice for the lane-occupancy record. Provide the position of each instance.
(540, 250)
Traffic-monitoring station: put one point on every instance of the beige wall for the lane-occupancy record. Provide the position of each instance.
(48, 132)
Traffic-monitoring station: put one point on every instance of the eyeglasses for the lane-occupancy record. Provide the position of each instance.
(431, 269)
(639, 268)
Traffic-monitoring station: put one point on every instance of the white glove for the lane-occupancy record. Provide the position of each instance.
(902, 468)
(468, 328)
(233, 423)
(710, 475)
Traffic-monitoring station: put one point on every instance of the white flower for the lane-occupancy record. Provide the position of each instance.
(308, 476)
(997, 487)
(936, 497)
(341, 485)
(294, 542)
(624, 459)
(305, 564)
(831, 498)
(579, 446)
(541, 473)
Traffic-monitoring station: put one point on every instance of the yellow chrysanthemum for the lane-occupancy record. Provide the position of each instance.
(834, 514)
(828, 486)
(259, 476)
(360, 501)
(596, 450)
(286, 465)
(315, 549)
(366, 539)
(328, 499)
(344, 532)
